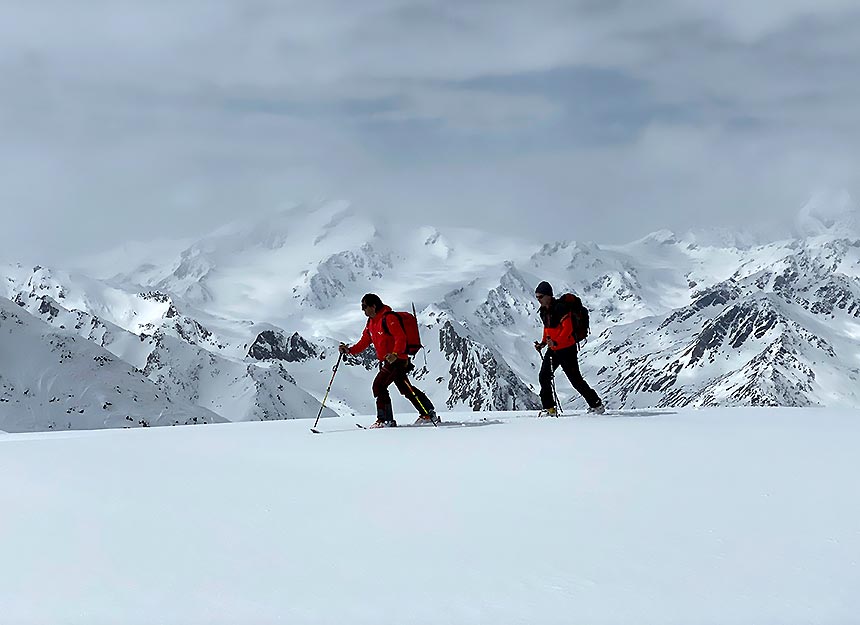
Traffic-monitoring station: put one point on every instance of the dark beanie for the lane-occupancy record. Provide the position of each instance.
(544, 288)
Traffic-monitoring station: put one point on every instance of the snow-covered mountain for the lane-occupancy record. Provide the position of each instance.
(175, 354)
(245, 322)
(55, 379)
(781, 330)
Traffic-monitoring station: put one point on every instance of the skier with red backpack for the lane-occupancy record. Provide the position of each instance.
(565, 323)
(395, 337)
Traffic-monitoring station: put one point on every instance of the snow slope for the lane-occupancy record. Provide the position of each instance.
(729, 516)
(179, 356)
(54, 379)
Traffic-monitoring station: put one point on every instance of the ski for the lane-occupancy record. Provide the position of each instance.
(449, 424)
(584, 414)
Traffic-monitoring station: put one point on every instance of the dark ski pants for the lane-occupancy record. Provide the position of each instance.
(396, 372)
(567, 360)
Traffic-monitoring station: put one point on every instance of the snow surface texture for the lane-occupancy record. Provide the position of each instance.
(677, 516)
(245, 322)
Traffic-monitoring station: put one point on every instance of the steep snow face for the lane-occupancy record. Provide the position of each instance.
(480, 378)
(187, 362)
(54, 379)
(778, 332)
(329, 280)
(241, 391)
(721, 350)
(135, 311)
(247, 270)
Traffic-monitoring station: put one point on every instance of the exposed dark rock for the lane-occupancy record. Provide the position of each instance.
(156, 296)
(479, 377)
(46, 307)
(273, 345)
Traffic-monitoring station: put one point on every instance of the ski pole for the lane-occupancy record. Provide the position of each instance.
(551, 378)
(322, 405)
(552, 382)
(415, 314)
(415, 395)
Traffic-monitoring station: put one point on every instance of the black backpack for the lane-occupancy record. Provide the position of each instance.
(578, 315)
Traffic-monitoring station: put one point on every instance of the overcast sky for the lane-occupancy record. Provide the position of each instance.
(579, 119)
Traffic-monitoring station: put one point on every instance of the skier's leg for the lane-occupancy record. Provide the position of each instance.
(569, 362)
(383, 379)
(547, 368)
(416, 397)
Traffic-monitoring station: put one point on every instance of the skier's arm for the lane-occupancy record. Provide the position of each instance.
(539, 345)
(363, 342)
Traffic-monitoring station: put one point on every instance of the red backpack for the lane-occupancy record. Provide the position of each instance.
(410, 328)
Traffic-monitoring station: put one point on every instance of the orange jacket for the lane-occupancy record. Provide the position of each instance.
(558, 325)
(394, 340)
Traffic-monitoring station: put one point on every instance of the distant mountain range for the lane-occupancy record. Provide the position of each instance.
(243, 324)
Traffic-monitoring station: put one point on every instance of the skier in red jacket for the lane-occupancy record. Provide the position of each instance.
(387, 335)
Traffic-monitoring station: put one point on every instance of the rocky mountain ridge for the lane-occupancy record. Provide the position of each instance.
(256, 311)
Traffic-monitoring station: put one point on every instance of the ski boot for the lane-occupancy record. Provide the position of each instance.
(384, 417)
(598, 409)
(384, 423)
(428, 419)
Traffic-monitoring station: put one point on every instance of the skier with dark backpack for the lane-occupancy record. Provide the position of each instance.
(565, 324)
(395, 337)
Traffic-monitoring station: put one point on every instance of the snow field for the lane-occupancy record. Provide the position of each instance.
(709, 516)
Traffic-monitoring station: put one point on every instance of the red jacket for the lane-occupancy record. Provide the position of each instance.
(558, 325)
(385, 342)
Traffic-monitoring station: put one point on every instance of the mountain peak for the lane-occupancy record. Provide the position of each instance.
(661, 237)
(828, 212)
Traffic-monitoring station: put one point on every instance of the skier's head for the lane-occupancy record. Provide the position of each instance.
(543, 292)
(371, 304)
(544, 288)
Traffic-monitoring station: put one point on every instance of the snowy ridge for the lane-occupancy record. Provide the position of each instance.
(179, 357)
(56, 380)
(479, 377)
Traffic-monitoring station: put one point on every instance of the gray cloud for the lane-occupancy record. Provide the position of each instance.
(604, 120)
